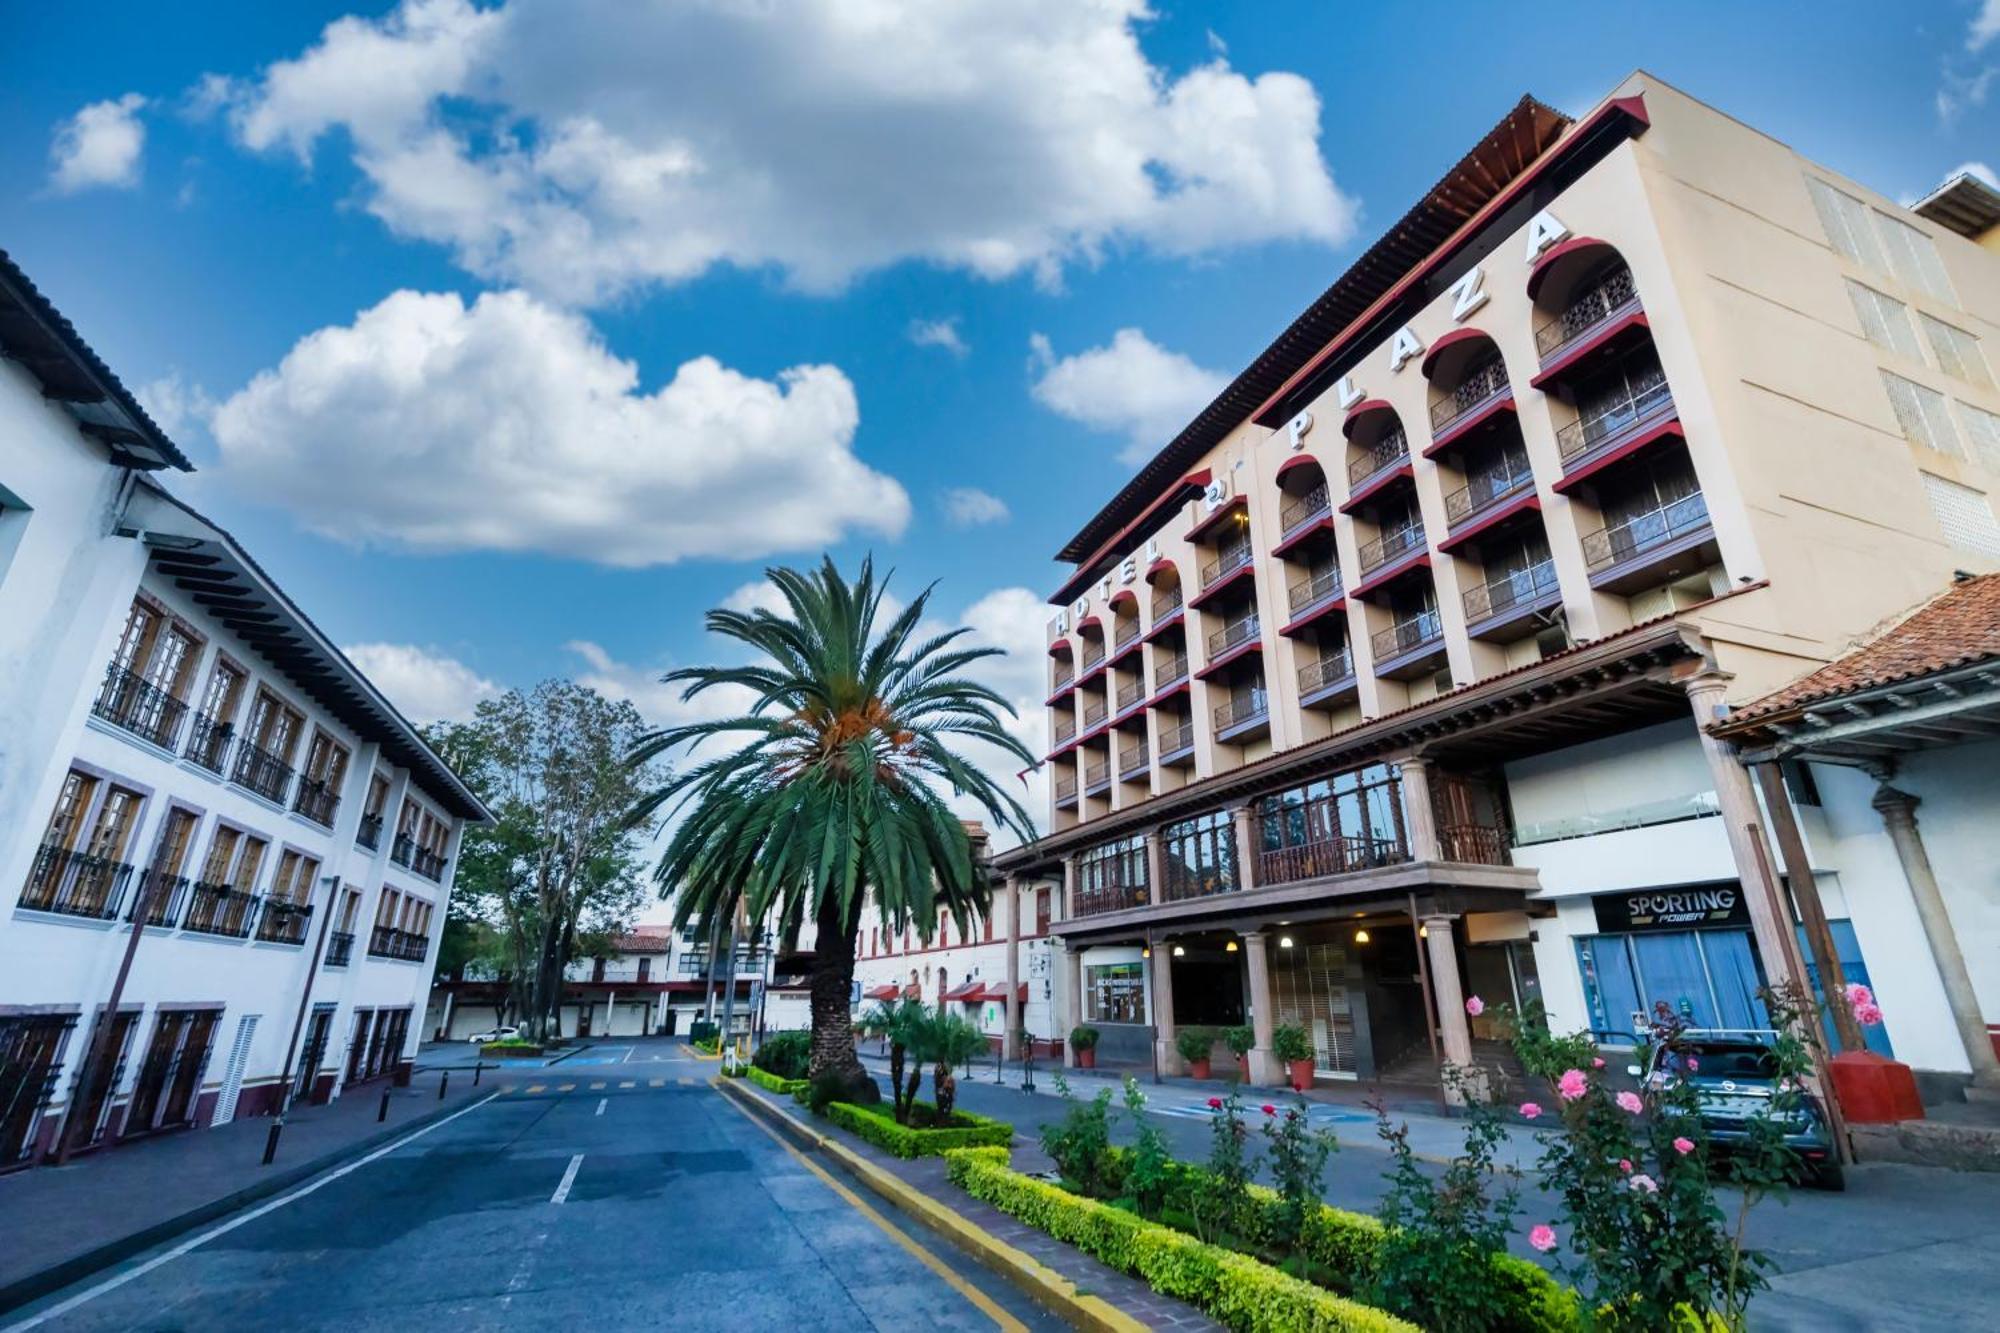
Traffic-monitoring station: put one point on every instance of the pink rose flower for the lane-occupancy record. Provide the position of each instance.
(1629, 1101)
(1269, 1109)
(1868, 1015)
(1683, 1146)
(1644, 1184)
(1475, 1006)
(1597, 1062)
(1625, 1165)
(1543, 1237)
(1572, 1084)
(1693, 1064)
(1858, 994)
(1215, 1103)
(1529, 1110)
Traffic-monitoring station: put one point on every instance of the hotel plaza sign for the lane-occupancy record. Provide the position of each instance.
(1718, 907)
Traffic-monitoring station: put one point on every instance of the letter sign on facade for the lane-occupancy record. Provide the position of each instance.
(1402, 347)
(1344, 389)
(1544, 230)
(1217, 492)
(1129, 570)
(1082, 607)
(1300, 424)
(1468, 294)
(1152, 549)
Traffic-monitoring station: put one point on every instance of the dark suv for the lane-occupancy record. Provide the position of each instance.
(1734, 1074)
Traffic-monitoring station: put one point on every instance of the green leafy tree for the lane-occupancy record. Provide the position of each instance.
(557, 872)
(835, 792)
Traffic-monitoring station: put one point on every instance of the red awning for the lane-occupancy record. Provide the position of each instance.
(997, 994)
(887, 991)
(970, 991)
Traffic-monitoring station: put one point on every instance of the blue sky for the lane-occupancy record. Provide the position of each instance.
(941, 212)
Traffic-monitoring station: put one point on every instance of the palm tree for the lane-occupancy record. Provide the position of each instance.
(898, 1022)
(949, 1040)
(836, 791)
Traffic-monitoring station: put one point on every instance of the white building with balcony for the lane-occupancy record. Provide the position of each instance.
(206, 810)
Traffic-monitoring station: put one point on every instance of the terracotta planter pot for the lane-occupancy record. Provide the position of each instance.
(1302, 1074)
(1197, 1069)
(1243, 1068)
(1086, 1057)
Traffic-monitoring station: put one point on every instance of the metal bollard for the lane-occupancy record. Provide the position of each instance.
(444, 1081)
(477, 1065)
(383, 1114)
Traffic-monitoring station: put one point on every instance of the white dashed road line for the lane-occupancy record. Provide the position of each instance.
(569, 1178)
(600, 1104)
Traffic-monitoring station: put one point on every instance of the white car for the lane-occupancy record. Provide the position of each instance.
(497, 1034)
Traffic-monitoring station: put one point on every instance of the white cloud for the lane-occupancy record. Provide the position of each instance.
(1132, 386)
(1978, 170)
(968, 507)
(940, 333)
(425, 685)
(176, 405)
(1985, 25)
(508, 425)
(99, 146)
(586, 147)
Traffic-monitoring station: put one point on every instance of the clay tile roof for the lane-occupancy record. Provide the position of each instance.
(1958, 627)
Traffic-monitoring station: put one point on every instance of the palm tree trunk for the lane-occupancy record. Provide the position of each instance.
(832, 984)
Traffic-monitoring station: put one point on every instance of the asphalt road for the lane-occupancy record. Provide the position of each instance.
(583, 1196)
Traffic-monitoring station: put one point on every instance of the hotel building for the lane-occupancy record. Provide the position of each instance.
(224, 856)
(1386, 682)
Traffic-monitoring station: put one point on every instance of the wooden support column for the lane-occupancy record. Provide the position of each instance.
(1805, 893)
(1010, 1040)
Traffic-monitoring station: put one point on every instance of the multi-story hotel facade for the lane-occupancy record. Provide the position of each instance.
(1386, 682)
(205, 809)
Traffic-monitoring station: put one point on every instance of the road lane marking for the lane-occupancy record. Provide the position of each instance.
(600, 1105)
(113, 1283)
(569, 1178)
(979, 1299)
(656, 1083)
(567, 1087)
(686, 1082)
(598, 1086)
(538, 1087)
(629, 1083)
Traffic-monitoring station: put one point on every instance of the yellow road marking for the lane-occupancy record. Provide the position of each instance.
(567, 1087)
(980, 1300)
(538, 1087)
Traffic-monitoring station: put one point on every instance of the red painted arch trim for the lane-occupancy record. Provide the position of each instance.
(1556, 253)
(1299, 461)
(1124, 595)
(1453, 339)
(1159, 567)
(1087, 622)
(1362, 409)
(1062, 648)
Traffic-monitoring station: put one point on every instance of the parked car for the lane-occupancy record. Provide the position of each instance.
(1734, 1077)
(508, 1033)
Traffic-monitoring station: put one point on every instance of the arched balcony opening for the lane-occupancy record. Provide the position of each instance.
(1167, 614)
(1123, 609)
(1378, 456)
(1409, 641)
(1652, 523)
(1470, 392)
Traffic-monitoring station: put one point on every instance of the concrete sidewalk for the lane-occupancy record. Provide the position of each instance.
(63, 1223)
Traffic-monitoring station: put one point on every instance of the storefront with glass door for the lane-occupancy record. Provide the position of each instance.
(1688, 947)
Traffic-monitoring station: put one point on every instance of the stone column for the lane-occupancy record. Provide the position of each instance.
(1899, 817)
(1419, 822)
(1010, 1037)
(1455, 1031)
(1160, 973)
(1241, 819)
(1072, 997)
(1156, 867)
(1265, 1071)
(1770, 913)
(1068, 908)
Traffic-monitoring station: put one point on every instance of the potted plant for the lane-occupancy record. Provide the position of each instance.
(1083, 1040)
(1291, 1045)
(1195, 1044)
(1239, 1040)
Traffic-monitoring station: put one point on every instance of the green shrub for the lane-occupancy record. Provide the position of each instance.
(1081, 1142)
(1240, 1039)
(1235, 1289)
(1289, 1042)
(785, 1054)
(1195, 1043)
(1083, 1038)
(879, 1128)
(769, 1082)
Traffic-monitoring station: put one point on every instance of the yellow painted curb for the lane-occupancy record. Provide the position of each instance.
(700, 1055)
(1041, 1282)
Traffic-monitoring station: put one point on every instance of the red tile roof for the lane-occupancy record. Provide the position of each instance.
(1958, 627)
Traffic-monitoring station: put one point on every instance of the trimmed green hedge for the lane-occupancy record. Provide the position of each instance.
(1233, 1288)
(879, 1127)
(769, 1082)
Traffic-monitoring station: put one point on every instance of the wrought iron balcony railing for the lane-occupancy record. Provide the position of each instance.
(1174, 669)
(1095, 713)
(1333, 854)
(1242, 709)
(1509, 477)
(258, 770)
(1407, 636)
(284, 922)
(1392, 450)
(1390, 546)
(369, 832)
(1064, 674)
(75, 883)
(403, 849)
(217, 909)
(1320, 583)
(1315, 504)
(1497, 597)
(1133, 759)
(1609, 296)
(1093, 653)
(1065, 731)
(1065, 789)
(1232, 635)
(1173, 740)
(406, 945)
(428, 864)
(1476, 390)
(339, 948)
(1128, 630)
(1166, 603)
(1227, 562)
(317, 801)
(1114, 895)
(1607, 418)
(1097, 775)
(208, 742)
(129, 700)
(169, 896)
(1130, 693)
(1644, 533)
(1334, 666)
